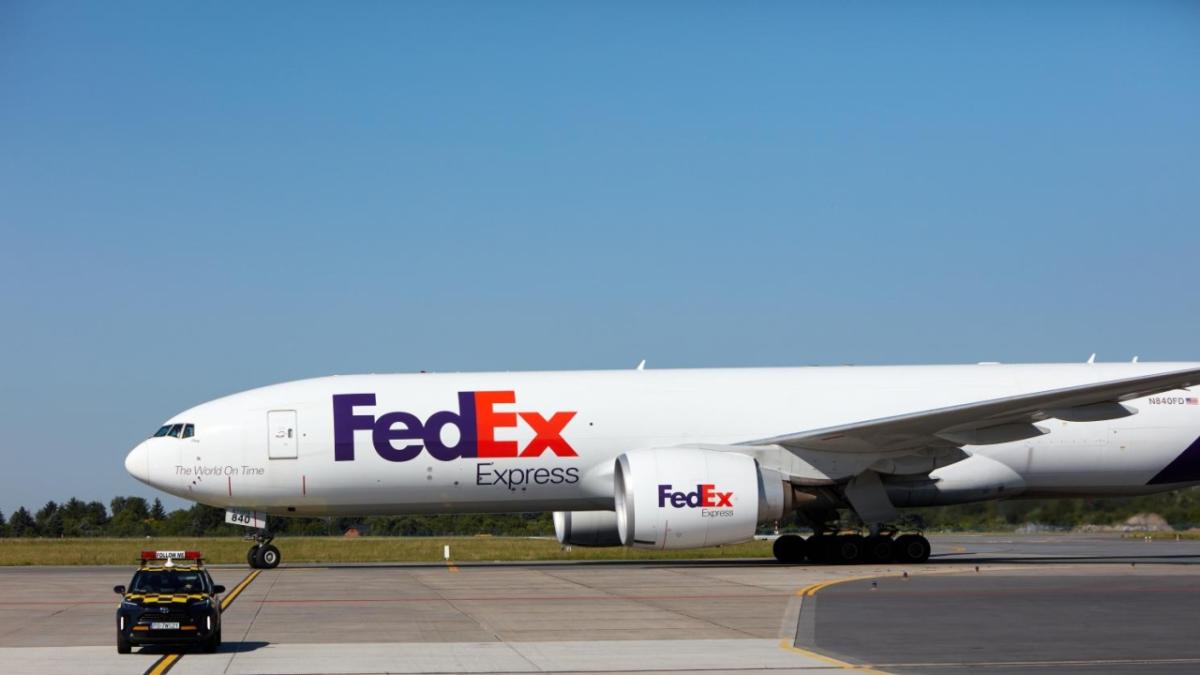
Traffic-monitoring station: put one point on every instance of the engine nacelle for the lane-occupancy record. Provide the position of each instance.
(671, 498)
(587, 528)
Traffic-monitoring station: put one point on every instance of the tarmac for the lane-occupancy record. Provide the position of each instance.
(1040, 603)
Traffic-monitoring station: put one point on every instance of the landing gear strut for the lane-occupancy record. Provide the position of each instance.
(263, 555)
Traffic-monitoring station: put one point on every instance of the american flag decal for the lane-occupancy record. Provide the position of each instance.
(1192, 401)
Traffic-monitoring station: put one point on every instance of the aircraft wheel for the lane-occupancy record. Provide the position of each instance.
(252, 556)
(911, 548)
(879, 549)
(822, 548)
(268, 557)
(789, 548)
(849, 549)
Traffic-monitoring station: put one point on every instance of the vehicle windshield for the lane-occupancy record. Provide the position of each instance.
(168, 582)
(162, 431)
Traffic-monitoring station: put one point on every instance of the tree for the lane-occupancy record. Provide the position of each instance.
(157, 512)
(21, 524)
(49, 520)
(136, 506)
(209, 521)
(130, 517)
(3, 525)
(80, 519)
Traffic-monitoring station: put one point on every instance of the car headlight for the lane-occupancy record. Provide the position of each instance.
(125, 604)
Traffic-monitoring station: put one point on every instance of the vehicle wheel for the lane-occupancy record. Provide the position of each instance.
(252, 556)
(879, 549)
(218, 637)
(123, 646)
(210, 645)
(268, 557)
(911, 548)
(789, 548)
(849, 549)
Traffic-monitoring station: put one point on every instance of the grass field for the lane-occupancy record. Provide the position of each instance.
(340, 549)
(372, 549)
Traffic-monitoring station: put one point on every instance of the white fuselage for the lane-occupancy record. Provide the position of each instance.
(446, 442)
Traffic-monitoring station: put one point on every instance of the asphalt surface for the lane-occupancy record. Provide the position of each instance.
(1134, 622)
(1046, 603)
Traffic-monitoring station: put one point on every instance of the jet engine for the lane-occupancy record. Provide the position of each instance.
(587, 528)
(671, 498)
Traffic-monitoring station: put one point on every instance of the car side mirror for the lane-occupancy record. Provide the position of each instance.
(119, 590)
(218, 589)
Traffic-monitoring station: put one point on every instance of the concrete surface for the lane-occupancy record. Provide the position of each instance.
(1055, 603)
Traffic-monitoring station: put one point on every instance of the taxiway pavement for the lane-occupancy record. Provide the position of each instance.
(1059, 603)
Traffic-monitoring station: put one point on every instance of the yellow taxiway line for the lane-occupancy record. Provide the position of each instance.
(169, 660)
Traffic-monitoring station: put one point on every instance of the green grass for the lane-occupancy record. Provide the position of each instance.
(339, 549)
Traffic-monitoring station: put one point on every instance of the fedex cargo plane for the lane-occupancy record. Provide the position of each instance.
(676, 459)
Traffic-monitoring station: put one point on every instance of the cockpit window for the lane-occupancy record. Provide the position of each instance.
(181, 430)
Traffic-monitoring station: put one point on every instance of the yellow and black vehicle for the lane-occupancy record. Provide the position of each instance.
(171, 600)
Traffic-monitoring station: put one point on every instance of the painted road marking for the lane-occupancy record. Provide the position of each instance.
(237, 590)
(164, 664)
(811, 589)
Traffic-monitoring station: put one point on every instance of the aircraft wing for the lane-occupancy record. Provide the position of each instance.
(998, 420)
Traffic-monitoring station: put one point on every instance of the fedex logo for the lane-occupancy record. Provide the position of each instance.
(705, 495)
(476, 419)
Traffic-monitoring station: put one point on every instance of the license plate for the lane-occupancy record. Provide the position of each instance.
(164, 625)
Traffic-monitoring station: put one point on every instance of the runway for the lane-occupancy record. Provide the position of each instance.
(1043, 603)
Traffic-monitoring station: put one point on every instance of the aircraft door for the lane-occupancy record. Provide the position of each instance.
(283, 437)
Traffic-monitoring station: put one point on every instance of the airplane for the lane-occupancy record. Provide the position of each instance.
(685, 458)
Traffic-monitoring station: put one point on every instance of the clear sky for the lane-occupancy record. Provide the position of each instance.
(199, 198)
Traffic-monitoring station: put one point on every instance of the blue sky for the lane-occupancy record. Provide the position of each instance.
(199, 198)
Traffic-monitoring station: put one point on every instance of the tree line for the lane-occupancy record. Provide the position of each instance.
(136, 517)
(1180, 508)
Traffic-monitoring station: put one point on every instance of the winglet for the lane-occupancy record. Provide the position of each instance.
(642, 365)
(1092, 358)
(1134, 360)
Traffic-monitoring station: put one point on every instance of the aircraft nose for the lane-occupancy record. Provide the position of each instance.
(137, 463)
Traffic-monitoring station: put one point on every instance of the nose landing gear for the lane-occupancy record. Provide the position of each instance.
(263, 555)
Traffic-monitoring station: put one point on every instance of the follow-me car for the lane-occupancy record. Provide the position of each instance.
(684, 458)
(171, 600)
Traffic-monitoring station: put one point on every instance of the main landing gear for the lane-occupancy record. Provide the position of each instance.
(263, 555)
(851, 548)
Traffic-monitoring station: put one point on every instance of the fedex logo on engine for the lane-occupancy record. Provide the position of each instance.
(476, 420)
(705, 495)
